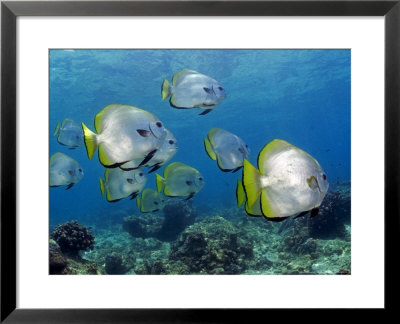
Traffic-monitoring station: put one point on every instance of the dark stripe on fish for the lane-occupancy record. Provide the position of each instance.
(148, 157)
(115, 200)
(134, 194)
(190, 196)
(314, 212)
(155, 167)
(69, 186)
(205, 112)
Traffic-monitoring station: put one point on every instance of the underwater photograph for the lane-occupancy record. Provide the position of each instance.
(199, 161)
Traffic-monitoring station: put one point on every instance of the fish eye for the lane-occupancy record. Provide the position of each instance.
(201, 178)
(141, 174)
(159, 124)
(80, 170)
(171, 142)
(247, 145)
(324, 176)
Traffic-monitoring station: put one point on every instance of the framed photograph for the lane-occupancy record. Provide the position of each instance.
(160, 159)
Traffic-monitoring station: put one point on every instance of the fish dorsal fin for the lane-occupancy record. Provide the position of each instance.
(213, 132)
(275, 146)
(67, 121)
(100, 115)
(209, 149)
(240, 194)
(177, 76)
(171, 167)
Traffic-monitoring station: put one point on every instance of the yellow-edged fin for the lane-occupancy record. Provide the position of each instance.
(252, 211)
(166, 192)
(90, 141)
(57, 129)
(266, 206)
(212, 133)
(277, 145)
(104, 159)
(240, 194)
(209, 150)
(101, 186)
(165, 89)
(109, 198)
(251, 182)
(138, 202)
(171, 167)
(160, 181)
(177, 75)
(106, 173)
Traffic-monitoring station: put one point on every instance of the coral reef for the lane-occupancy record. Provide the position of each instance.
(334, 214)
(115, 265)
(144, 225)
(72, 238)
(178, 214)
(212, 246)
(57, 261)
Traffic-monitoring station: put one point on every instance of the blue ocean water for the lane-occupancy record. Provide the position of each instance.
(301, 96)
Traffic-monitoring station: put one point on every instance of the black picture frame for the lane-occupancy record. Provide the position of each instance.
(10, 10)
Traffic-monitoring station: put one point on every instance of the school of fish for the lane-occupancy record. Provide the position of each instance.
(130, 141)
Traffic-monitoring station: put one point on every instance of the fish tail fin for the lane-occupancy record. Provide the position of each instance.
(138, 202)
(251, 182)
(209, 150)
(57, 130)
(101, 186)
(165, 89)
(90, 141)
(160, 181)
(240, 194)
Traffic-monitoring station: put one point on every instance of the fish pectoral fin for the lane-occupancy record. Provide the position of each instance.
(148, 157)
(69, 186)
(143, 132)
(314, 212)
(205, 112)
(190, 196)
